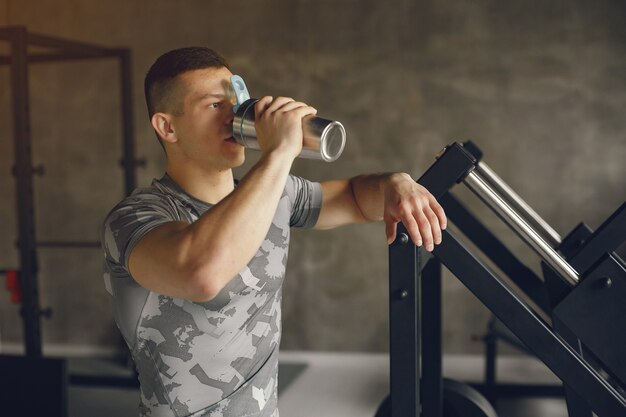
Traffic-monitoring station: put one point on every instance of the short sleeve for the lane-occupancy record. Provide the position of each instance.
(306, 201)
(131, 220)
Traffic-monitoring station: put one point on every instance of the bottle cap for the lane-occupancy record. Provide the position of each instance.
(240, 91)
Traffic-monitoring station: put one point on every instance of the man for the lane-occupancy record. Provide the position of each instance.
(195, 263)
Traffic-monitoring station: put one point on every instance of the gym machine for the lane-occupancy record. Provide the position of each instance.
(570, 319)
(52, 376)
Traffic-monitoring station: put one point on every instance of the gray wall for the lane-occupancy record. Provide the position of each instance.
(540, 87)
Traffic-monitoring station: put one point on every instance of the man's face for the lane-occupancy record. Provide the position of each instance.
(204, 129)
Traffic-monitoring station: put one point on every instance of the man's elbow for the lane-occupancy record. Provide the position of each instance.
(202, 292)
(206, 281)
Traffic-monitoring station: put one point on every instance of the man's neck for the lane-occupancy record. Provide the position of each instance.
(210, 186)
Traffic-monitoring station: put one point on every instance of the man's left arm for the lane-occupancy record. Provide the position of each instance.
(394, 198)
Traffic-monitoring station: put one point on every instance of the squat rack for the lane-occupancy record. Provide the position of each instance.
(19, 60)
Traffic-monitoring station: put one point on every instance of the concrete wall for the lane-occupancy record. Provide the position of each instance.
(540, 87)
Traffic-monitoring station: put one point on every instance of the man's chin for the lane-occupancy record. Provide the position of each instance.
(237, 162)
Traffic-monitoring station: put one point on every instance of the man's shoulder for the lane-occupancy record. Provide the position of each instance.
(134, 216)
(143, 198)
(147, 194)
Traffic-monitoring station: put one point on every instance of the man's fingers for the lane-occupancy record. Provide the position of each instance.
(438, 210)
(278, 103)
(434, 225)
(261, 106)
(269, 106)
(419, 211)
(286, 104)
(413, 229)
(390, 230)
(292, 105)
(425, 230)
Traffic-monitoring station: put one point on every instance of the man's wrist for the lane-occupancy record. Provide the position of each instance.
(393, 179)
(399, 176)
(277, 156)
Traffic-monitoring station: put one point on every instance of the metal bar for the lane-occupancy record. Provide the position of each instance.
(22, 376)
(451, 166)
(128, 146)
(548, 346)
(494, 201)
(47, 58)
(431, 340)
(499, 331)
(7, 32)
(65, 45)
(499, 254)
(404, 326)
(24, 191)
(527, 212)
(68, 244)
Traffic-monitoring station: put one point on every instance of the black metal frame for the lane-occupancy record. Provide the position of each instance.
(413, 297)
(19, 60)
(34, 386)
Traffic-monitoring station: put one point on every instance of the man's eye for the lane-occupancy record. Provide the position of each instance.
(215, 105)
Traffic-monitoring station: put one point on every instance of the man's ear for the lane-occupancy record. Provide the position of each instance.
(161, 122)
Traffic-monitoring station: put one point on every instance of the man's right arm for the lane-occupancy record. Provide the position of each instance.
(195, 261)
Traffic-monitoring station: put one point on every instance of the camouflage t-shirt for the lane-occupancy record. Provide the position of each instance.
(216, 358)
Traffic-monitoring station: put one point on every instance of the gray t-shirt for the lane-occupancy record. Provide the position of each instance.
(216, 358)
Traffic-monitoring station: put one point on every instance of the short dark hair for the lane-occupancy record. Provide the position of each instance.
(159, 85)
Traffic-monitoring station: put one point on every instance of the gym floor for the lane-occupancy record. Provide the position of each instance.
(331, 385)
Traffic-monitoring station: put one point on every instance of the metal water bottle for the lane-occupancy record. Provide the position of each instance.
(322, 138)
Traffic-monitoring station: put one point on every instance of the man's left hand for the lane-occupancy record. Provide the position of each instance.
(408, 202)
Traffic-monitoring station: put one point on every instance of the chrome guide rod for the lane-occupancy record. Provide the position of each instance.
(475, 182)
(530, 215)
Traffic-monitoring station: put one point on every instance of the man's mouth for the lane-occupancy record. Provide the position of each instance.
(230, 139)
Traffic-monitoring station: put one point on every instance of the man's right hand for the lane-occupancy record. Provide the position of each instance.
(278, 124)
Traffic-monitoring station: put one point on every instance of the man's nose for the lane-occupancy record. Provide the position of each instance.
(229, 114)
